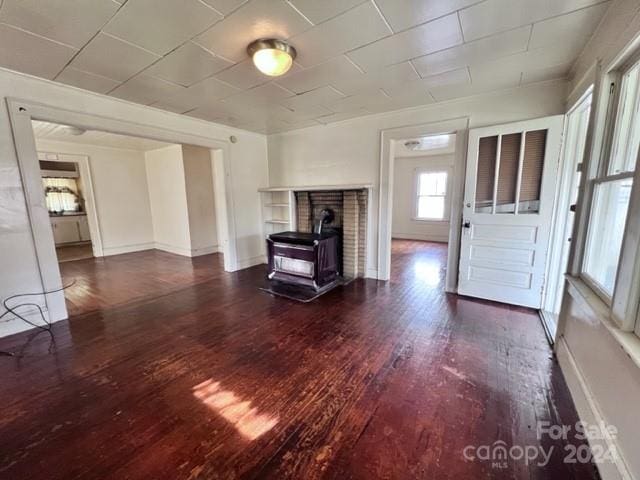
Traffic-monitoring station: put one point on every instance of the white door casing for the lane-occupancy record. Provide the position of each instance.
(503, 255)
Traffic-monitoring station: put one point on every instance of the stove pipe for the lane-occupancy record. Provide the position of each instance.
(326, 216)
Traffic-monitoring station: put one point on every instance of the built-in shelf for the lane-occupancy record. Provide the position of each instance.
(278, 211)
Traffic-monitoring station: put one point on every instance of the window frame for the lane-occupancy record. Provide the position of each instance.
(624, 301)
(416, 194)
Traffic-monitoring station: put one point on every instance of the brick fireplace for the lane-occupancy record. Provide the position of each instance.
(350, 208)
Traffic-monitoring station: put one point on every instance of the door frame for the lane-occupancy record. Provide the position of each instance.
(88, 193)
(459, 126)
(21, 112)
(555, 269)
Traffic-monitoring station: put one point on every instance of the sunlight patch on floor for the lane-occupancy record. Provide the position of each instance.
(428, 272)
(247, 421)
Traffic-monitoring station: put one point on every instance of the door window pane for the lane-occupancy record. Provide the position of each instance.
(487, 149)
(508, 173)
(535, 145)
(606, 230)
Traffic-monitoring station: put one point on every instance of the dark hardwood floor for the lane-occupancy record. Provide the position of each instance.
(68, 253)
(172, 369)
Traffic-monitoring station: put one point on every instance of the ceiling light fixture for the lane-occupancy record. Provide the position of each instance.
(271, 56)
(412, 145)
(75, 131)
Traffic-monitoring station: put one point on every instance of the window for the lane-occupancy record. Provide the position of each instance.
(431, 196)
(61, 194)
(611, 191)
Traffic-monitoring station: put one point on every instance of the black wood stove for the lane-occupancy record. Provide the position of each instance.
(306, 259)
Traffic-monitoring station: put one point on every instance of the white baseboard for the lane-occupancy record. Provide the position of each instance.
(421, 236)
(165, 247)
(196, 252)
(185, 252)
(107, 251)
(589, 412)
(11, 324)
(251, 262)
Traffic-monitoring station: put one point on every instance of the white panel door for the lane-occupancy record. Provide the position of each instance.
(508, 206)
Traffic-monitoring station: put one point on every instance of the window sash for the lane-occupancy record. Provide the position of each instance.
(625, 300)
(417, 195)
(622, 156)
(595, 245)
(433, 219)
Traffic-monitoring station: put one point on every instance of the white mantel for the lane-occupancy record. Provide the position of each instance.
(315, 188)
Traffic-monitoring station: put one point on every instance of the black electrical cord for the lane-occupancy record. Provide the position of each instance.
(47, 325)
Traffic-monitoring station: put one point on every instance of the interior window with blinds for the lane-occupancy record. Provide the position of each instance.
(510, 173)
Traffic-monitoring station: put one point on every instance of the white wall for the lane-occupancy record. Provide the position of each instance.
(20, 271)
(168, 198)
(404, 194)
(198, 172)
(349, 152)
(603, 379)
(119, 178)
(181, 183)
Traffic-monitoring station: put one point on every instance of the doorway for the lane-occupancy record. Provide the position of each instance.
(21, 115)
(457, 128)
(422, 186)
(69, 199)
(113, 200)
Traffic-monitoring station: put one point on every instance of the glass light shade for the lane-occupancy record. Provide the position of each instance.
(272, 62)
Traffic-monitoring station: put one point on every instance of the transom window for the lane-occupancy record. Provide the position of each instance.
(431, 196)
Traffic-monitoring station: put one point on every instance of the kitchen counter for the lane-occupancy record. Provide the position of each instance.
(72, 214)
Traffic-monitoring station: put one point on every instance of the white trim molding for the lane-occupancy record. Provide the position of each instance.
(139, 247)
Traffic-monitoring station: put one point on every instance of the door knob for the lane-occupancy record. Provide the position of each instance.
(466, 224)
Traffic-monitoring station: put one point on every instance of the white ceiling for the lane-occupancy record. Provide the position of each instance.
(54, 131)
(355, 57)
